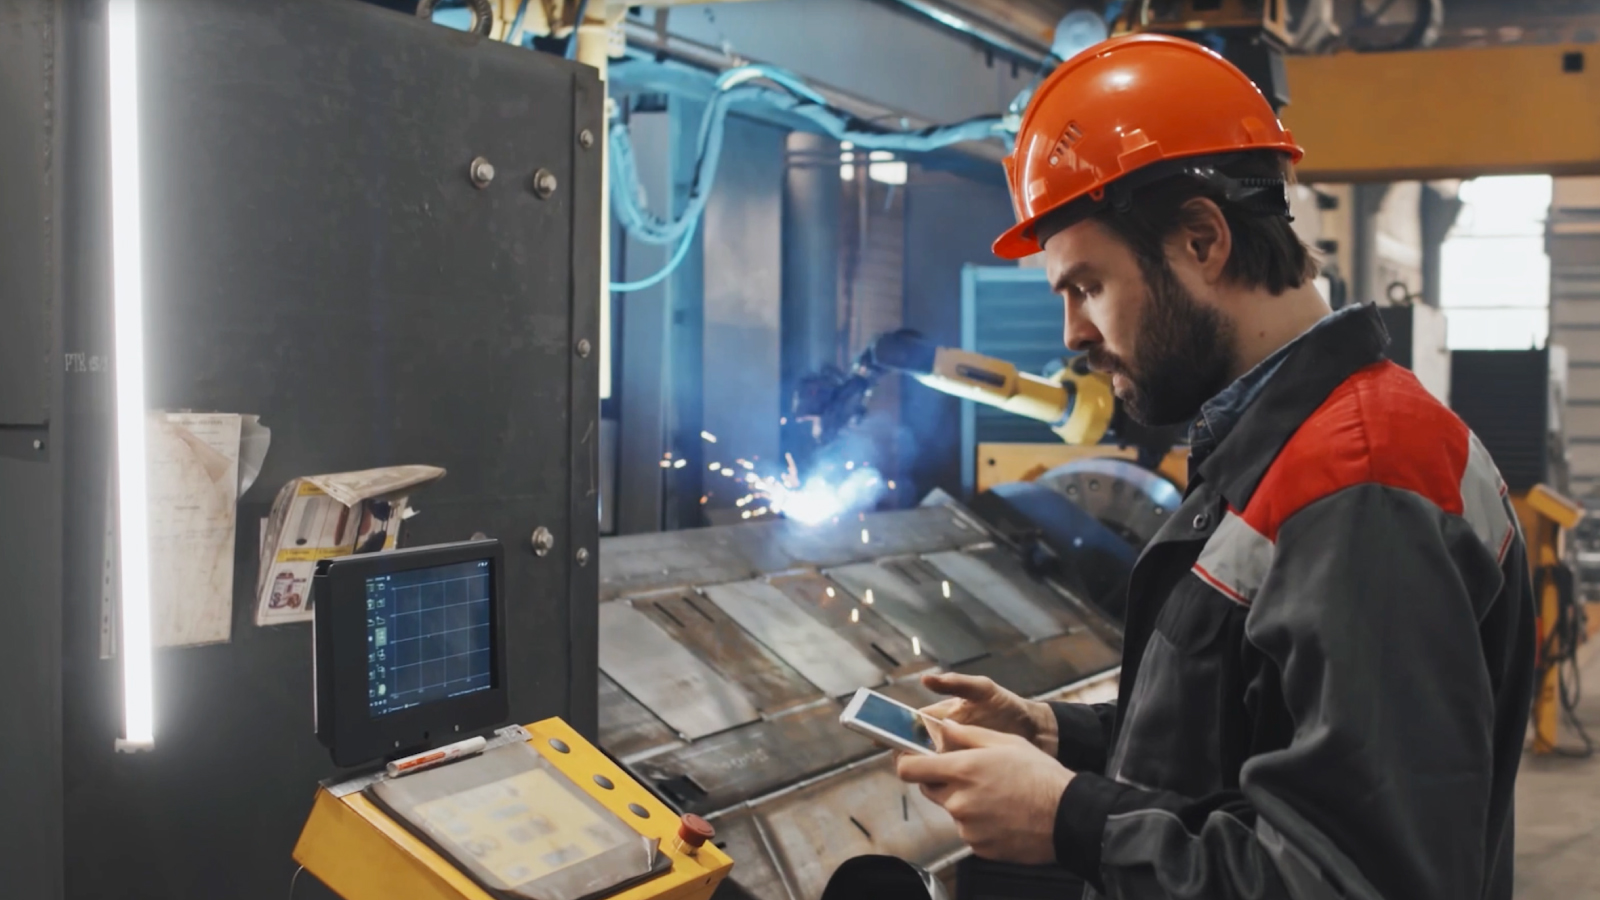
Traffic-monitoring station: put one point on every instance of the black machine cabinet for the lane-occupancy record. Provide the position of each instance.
(316, 253)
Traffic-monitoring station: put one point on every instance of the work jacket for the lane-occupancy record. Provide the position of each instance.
(1328, 658)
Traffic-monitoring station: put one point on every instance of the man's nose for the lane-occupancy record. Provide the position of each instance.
(1079, 334)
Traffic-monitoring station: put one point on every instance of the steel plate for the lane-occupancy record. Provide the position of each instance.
(1028, 605)
(814, 650)
(637, 563)
(755, 875)
(720, 643)
(627, 729)
(1040, 668)
(756, 759)
(994, 631)
(866, 810)
(691, 697)
(776, 546)
(861, 625)
(940, 629)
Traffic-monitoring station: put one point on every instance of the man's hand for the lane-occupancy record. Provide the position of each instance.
(976, 700)
(1001, 790)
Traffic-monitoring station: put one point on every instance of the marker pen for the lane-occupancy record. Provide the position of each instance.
(449, 752)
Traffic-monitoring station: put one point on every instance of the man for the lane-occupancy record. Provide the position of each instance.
(1328, 650)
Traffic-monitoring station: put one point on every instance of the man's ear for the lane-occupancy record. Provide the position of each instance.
(1206, 241)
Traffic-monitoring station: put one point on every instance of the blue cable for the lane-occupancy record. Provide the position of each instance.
(734, 87)
(517, 22)
(666, 270)
(572, 40)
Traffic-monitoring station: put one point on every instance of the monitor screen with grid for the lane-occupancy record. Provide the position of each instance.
(428, 635)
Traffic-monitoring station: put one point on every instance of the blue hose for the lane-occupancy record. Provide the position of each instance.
(735, 87)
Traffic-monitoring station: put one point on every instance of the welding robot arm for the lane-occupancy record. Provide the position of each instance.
(1077, 404)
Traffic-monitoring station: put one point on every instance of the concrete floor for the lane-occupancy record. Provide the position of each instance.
(1558, 811)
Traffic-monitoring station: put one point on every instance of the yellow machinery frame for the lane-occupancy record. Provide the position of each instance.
(1546, 516)
(361, 854)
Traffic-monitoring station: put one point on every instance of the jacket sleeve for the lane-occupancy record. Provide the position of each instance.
(1084, 732)
(1367, 629)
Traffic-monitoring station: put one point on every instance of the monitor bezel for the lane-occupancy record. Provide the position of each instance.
(344, 720)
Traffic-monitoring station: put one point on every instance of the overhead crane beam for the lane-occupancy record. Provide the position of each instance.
(1456, 113)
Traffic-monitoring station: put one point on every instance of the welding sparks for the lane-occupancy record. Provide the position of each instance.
(865, 538)
(704, 499)
(946, 586)
(747, 464)
(892, 487)
(849, 465)
(666, 464)
(868, 598)
(714, 466)
(680, 464)
(916, 646)
(708, 437)
(829, 592)
(855, 615)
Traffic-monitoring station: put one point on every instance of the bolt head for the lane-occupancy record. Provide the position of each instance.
(586, 138)
(543, 541)
(544, 183)
(38, 445)
(583, 556)
(482, 172)
(584, 348)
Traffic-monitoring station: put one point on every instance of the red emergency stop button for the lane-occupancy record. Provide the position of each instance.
(693, 832)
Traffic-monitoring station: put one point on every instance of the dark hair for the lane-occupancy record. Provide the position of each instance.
(1266, 251)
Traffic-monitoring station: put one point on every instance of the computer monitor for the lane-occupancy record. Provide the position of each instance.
(409, 649)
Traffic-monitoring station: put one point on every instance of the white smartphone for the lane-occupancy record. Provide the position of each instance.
(888, 722)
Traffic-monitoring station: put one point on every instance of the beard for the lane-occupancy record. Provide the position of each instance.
(1182, 356)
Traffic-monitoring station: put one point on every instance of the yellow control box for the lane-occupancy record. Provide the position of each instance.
(361, 853)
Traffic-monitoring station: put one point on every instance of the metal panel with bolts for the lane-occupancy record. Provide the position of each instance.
(316, 252)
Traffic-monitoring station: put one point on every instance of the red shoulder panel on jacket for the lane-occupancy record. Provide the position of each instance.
(1381, 426)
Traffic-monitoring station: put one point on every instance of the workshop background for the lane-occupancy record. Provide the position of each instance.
(694, 306)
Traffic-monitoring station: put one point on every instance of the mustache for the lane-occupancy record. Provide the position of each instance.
(1103, 360)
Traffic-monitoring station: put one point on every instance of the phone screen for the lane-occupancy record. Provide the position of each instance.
(901, 721)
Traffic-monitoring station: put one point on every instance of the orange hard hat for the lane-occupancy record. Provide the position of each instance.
(1127, 105)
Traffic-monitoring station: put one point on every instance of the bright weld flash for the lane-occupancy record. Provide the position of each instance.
(127, 304)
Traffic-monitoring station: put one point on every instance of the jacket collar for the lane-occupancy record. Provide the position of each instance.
(1319, 362)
